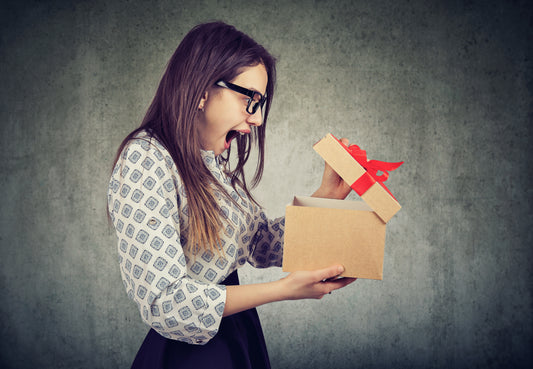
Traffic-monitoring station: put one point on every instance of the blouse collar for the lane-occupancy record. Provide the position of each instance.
(210, 159)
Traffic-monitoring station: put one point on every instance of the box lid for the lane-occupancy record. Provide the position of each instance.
(374, 193)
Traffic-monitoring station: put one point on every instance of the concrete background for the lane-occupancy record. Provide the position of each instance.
(445, 86)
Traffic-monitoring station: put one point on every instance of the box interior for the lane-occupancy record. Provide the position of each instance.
(330, 203)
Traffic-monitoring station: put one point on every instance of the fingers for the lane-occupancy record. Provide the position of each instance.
(340, 283)
(332, 285)
(330, 272)
(345, 141)
(313, 284)
(329, 281)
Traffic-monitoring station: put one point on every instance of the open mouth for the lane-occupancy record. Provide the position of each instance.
(231, 135)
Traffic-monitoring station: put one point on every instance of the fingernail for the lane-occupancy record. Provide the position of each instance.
(340, 269)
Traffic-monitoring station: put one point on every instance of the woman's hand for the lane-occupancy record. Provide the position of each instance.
(332, 186)
(298, 285)
(313, 284)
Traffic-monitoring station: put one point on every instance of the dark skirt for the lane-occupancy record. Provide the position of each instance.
(239, 343)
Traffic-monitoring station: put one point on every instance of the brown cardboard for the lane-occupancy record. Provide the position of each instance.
(350, 170)
(323, 232)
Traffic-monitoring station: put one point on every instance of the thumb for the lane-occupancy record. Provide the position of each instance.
(345, 141)
(329, 272)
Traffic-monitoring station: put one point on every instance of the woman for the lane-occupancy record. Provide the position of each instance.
(186, 222)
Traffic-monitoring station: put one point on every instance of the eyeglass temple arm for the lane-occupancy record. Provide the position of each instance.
(236, 88)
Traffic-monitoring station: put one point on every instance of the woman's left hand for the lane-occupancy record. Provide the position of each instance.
(333, 186)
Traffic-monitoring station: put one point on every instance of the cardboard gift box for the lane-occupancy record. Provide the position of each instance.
(322, 232)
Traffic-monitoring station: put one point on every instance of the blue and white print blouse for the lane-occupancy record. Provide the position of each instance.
(178, 293)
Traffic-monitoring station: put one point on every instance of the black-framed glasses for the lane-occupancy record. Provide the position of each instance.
(255, 99)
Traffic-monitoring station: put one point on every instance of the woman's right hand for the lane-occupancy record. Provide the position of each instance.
(313, 284)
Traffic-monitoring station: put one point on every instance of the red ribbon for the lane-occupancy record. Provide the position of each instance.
(372, 167)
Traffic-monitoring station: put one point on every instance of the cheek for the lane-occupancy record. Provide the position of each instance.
(217, 121)
(226, 114)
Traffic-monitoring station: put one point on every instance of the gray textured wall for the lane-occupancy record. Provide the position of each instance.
(444, 86)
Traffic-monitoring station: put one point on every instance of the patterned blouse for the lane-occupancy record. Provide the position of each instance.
(178, 294)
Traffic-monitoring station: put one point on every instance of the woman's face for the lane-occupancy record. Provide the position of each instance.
(224, 116)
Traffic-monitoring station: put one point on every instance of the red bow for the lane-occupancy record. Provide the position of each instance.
(372, 168)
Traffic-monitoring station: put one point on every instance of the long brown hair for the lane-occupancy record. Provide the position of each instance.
(209, 52)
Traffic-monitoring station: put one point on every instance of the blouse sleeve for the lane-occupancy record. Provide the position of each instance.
(266, 246)
(143, 201)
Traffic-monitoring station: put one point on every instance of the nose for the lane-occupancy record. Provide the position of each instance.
(255, 119)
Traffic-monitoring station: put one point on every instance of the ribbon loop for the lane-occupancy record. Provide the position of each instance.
(372, 167)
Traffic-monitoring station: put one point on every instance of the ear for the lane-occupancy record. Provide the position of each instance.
(203, 100)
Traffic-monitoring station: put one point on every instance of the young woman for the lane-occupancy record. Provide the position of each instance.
(186, 221)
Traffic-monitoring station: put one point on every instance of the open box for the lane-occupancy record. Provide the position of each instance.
(323, 232)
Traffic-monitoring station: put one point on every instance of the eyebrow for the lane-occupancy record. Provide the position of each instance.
(255, 90)
(251, 88)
